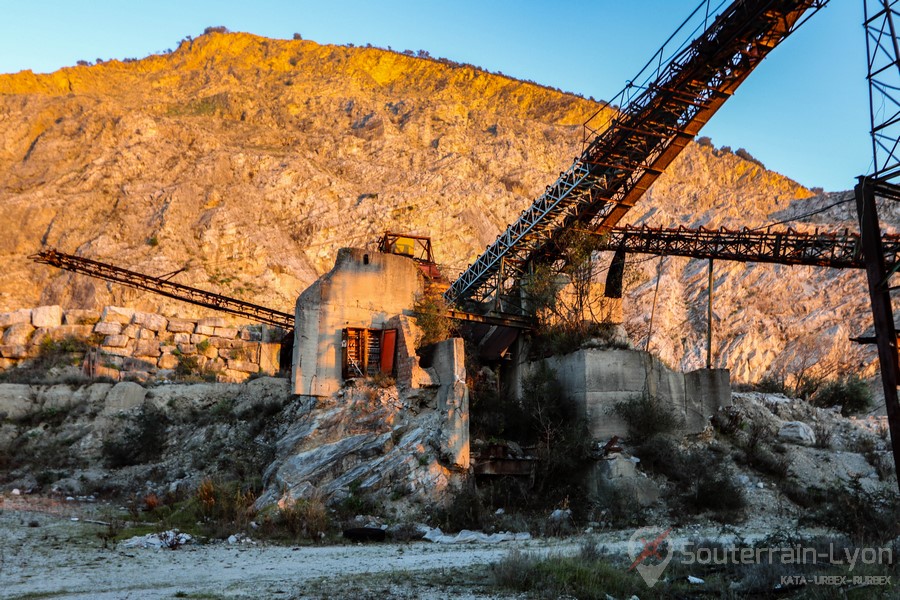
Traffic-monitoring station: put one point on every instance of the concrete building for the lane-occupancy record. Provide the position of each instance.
(342, 325)
(363, 291)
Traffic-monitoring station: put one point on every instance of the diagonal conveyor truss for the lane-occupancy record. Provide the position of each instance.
(618, 164)
(157, 285)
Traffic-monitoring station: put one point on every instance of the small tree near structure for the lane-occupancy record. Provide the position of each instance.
(431, 316)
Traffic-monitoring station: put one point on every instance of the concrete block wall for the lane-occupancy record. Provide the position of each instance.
(142, 345)
(596, 380)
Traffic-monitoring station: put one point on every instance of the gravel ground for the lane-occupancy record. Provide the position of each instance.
(43, 553)
(46, 553)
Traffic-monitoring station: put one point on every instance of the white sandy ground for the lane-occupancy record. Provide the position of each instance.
(61, 558)
(64, 559)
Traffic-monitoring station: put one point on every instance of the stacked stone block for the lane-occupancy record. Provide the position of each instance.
(142, 345)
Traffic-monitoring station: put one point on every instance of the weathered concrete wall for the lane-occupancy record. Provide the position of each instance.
(364, 289)
(449, 364)
(141, 345)
(598, 379)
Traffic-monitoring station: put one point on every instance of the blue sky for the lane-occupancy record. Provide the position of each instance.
(803, 112)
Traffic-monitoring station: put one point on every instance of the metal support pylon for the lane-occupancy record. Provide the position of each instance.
(883, 76)
(879, 292)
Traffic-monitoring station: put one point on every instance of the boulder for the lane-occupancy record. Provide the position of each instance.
(17, 316)
(232, 376)
(151, 321)
(167, 361)
(47, 316)
(14, 351)
(68, 331)
(147, 348)
(617, 474)
(77, 316)
(229, 333)
(797, 432)
(108, 328)
(180, 326)
(16, 401)
(218, 342)
(116, 341)
(117, 314)
(18, 334)
(212, 322)
(243, 366)
(56, 397)
(125, 395)
(146, 334)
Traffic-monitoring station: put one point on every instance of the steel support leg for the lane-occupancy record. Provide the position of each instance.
(885, 334)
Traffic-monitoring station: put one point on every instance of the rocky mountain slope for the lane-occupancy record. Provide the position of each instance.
(247, 162)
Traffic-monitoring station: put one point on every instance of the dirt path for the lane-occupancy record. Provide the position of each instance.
(44, 553)
(48, 555)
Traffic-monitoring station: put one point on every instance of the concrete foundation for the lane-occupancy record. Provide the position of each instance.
(597, 379)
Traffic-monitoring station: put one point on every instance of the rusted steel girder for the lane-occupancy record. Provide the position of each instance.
(668, 103)
(838, 250)
(94, 268)
(878, 276)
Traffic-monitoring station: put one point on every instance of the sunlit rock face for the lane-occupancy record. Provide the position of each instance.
(248, 162)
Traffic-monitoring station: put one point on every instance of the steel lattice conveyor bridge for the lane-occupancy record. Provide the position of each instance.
(671, 99)
(838, 250)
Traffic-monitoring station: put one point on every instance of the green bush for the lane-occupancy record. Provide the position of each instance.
(701, 476)
(306, 518)
(560, 433)
(771, 384)
(465, 510)
(432, 319)
(849, 392)
(143, 439)
(586, 576)
(716, 490)
(866, 517)
(188, 369)
(647, 416)
(662, 453)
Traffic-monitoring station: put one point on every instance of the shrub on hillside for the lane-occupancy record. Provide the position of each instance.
(143, 439)
(563, 443)
(646, 416)
(866, 517)
(306, 518)
(742, 153)
(849, 392)
(432, 319)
